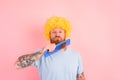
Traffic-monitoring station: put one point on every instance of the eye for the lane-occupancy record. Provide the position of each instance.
(54, 32)
(60, 31)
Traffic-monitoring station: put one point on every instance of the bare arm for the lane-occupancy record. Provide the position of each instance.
(26, 60)
(80, 76)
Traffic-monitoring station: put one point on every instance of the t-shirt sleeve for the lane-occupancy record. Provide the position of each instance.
(80, 67)
(36, 63)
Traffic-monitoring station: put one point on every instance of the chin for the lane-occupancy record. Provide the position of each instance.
(58, 41)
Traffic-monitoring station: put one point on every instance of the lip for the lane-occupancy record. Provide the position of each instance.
(57, 38)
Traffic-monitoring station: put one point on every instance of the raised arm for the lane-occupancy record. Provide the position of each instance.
(26, 60)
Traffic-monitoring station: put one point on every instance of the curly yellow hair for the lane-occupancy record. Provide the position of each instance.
(54, 22)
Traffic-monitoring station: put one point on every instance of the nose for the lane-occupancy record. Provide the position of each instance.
(57, 34)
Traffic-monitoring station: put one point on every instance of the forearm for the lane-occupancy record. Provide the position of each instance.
(80, 76)
(27, 60)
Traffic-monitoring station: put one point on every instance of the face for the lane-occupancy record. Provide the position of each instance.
(57, 35)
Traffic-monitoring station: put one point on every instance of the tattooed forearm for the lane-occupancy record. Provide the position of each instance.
(27, 60)
(80, 76)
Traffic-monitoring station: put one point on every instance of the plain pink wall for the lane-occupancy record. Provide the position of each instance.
(96, 26)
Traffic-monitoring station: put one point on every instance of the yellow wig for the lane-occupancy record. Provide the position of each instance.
(54, 22)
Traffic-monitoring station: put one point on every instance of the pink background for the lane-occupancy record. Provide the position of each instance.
(96, 26)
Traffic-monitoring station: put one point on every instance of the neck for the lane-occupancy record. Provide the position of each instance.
(63, 47)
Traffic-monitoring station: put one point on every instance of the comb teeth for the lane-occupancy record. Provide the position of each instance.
(58, 47)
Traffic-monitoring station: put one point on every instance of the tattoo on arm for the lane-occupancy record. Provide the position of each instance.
(80, 76)
(27, 60)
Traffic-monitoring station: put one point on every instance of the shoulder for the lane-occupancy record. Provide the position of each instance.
(74, 52)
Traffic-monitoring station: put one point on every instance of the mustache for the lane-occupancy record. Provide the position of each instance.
(57, 36)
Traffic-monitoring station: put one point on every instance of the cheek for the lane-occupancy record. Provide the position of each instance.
(63, 36)
(52, 36)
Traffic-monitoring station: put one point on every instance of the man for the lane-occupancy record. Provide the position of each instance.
(64, 64)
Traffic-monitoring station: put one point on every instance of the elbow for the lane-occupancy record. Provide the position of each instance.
(16, 65)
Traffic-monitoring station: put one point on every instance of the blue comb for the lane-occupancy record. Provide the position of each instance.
(58, 47)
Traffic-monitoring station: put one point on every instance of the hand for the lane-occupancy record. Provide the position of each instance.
(50, 47)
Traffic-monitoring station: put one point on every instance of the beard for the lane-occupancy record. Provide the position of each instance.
(56, 40)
